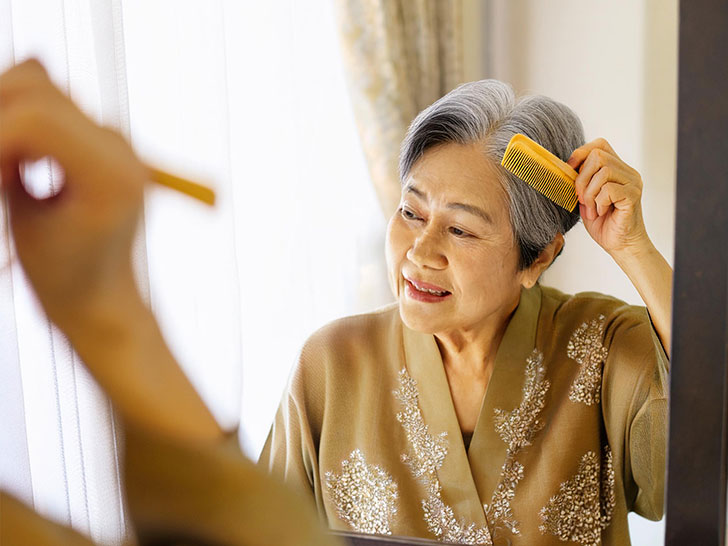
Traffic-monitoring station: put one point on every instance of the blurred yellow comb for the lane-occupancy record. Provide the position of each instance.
(193, 189)
(541, 170)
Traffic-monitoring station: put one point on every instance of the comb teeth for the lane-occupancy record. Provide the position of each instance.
(544, 178)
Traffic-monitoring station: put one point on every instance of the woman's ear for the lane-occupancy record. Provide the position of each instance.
(544, 260)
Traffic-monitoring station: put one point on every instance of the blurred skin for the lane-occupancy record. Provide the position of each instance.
(84, 233)
(75, 248)
(452, 234)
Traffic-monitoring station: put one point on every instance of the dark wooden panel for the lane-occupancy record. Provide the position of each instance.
(696, 487)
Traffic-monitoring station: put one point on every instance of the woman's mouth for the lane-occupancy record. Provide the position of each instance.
(425, 292)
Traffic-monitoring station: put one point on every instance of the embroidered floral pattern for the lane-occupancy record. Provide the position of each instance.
(517, 429)
(441, 522)
(365, 496)
(499, 511)
(584, 504)
(427, 452)
(585, 347)
(426, 455)
(607, 499)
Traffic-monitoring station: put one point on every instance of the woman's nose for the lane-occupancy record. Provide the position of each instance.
(426, 251)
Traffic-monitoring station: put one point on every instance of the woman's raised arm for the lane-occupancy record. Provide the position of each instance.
(610, 193)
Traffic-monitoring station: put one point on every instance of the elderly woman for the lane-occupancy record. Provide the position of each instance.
(482, 407)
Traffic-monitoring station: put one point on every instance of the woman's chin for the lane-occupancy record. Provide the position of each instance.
(420, 320)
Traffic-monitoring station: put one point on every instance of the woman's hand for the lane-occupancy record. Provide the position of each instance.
(609, 193)
(74, 246)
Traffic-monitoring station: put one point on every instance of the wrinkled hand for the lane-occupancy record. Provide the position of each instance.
(74, 246)
(609, 193)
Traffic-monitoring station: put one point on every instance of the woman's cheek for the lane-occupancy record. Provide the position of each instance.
(395, 250)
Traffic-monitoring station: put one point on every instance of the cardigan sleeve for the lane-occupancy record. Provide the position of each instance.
(291, 449)
(635, 405)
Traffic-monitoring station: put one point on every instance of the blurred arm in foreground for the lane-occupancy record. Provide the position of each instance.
(184, 481)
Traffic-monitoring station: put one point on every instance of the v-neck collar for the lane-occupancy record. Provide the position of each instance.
(468, 478)
(505, 391)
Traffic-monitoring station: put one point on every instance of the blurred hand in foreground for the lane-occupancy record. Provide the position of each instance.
(74, 246)
(185, 482)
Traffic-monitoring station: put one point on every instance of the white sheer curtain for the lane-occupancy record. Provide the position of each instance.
(249, 97)
(58, 432)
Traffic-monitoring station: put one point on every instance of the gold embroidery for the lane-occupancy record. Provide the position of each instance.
(585, 347)
(428, 452)
(427, 455)
(365, 496)
(499, 510)
(441, 521)
(517, 429)
(585, 503)
(607, 498)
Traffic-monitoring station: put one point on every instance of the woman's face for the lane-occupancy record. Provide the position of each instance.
(452, 257)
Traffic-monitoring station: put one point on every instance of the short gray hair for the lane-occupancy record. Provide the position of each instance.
(488, 112)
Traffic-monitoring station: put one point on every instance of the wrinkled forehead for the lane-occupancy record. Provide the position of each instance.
(459, 173)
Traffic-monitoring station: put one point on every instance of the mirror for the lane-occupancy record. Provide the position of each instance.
(255, 101)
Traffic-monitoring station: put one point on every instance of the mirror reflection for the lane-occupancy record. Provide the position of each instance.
(501, 373)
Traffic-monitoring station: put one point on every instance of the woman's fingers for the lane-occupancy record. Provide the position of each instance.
(609, 193)
(11, 185)
(21, 79)
(42, 122)
(579, 155)
(593, 188)
(621, 196)
(72, 244)
(597, 169)
(600, 167)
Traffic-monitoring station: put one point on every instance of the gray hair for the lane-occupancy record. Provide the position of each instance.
(487, 112)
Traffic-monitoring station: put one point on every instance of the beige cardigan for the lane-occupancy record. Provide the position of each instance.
(570, 438)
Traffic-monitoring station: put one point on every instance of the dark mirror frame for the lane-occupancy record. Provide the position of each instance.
(696, 486)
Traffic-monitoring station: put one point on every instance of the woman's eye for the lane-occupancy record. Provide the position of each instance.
(408, 214)
(458, 232)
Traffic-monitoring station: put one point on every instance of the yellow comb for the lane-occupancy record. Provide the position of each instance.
(541, 170)
(193, 189)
